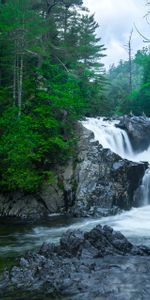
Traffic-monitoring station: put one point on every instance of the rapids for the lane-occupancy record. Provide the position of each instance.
(134, 224)
(15, 241)
(115, 139)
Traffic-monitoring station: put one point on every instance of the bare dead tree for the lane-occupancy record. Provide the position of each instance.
(130, 59)
(145, 39)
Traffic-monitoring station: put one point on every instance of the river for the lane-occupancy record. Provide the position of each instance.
(17, 239)
(134, 224)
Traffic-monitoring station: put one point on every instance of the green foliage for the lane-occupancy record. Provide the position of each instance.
(50, 76)
(119, 88)
(139, 100)
(17, 152)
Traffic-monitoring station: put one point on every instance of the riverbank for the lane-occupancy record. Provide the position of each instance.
(100, 183)
(115, 278)
(100, 179)
(99, 264)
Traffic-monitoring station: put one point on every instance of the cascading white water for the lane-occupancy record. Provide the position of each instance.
(114, 138)
(118, 141)
(134, 224)
(144, 189)
(110, 136)
(143, 156)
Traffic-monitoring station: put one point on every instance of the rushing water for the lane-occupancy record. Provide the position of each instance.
(16, 240)
(134, 224)
(114, 138)
(110, 136)
(144, 189)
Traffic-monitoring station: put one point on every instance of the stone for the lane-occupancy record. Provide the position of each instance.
(26, 207)
(52, 197)
(100, 264)
(96, 182)
(20, 205)
(138, 129)
(72, 241)
(104, 181)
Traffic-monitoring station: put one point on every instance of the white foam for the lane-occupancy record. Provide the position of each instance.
(115, 139)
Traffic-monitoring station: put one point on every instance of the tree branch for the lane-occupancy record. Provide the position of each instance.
(146, 40)
(50, 6)
(62, 64)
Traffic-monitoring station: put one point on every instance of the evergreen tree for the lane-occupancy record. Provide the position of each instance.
(90, 68)
(50, 76)
(140, 99)
(118, 90)
(18, 26)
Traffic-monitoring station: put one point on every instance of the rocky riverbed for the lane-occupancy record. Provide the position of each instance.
(100, 264)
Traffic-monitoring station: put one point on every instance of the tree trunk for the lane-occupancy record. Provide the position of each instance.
(65, 21)
(14, 80)
(20, 82)
(130, 60)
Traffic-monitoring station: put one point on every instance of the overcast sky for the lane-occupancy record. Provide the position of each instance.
(116, 19)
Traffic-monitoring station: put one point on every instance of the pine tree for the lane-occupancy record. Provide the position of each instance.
(50, 75)
(19, 25)
(90, 67)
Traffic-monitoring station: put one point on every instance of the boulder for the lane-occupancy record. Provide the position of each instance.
(20, 206)
(52, 198)
(138, 129)
(96, 182)
(104, 181)
(100, 264)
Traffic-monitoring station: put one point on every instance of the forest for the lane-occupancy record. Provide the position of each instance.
(51, 75)
(74, 150)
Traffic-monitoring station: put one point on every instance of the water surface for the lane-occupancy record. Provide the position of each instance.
(17, 239)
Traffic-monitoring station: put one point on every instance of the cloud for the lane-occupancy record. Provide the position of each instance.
(116, 19)
(115, 52)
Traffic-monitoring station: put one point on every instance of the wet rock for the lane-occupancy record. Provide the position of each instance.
(72, 241)
(52, 198)
(97, 182)
(104, 181)
(88, 251)
(108, 241)
(21, 206)
(100, 264)
(138, 129)
(118, 165)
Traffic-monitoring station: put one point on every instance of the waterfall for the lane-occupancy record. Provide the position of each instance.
(144, 189)
(110, 136)
(143, 156)
(117, 140)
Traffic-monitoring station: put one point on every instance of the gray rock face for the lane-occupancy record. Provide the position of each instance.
(53, 198)
(100, 264)
(104, 181)
(21, 206)
(96, 183)
(28, 207)
(138, 129)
